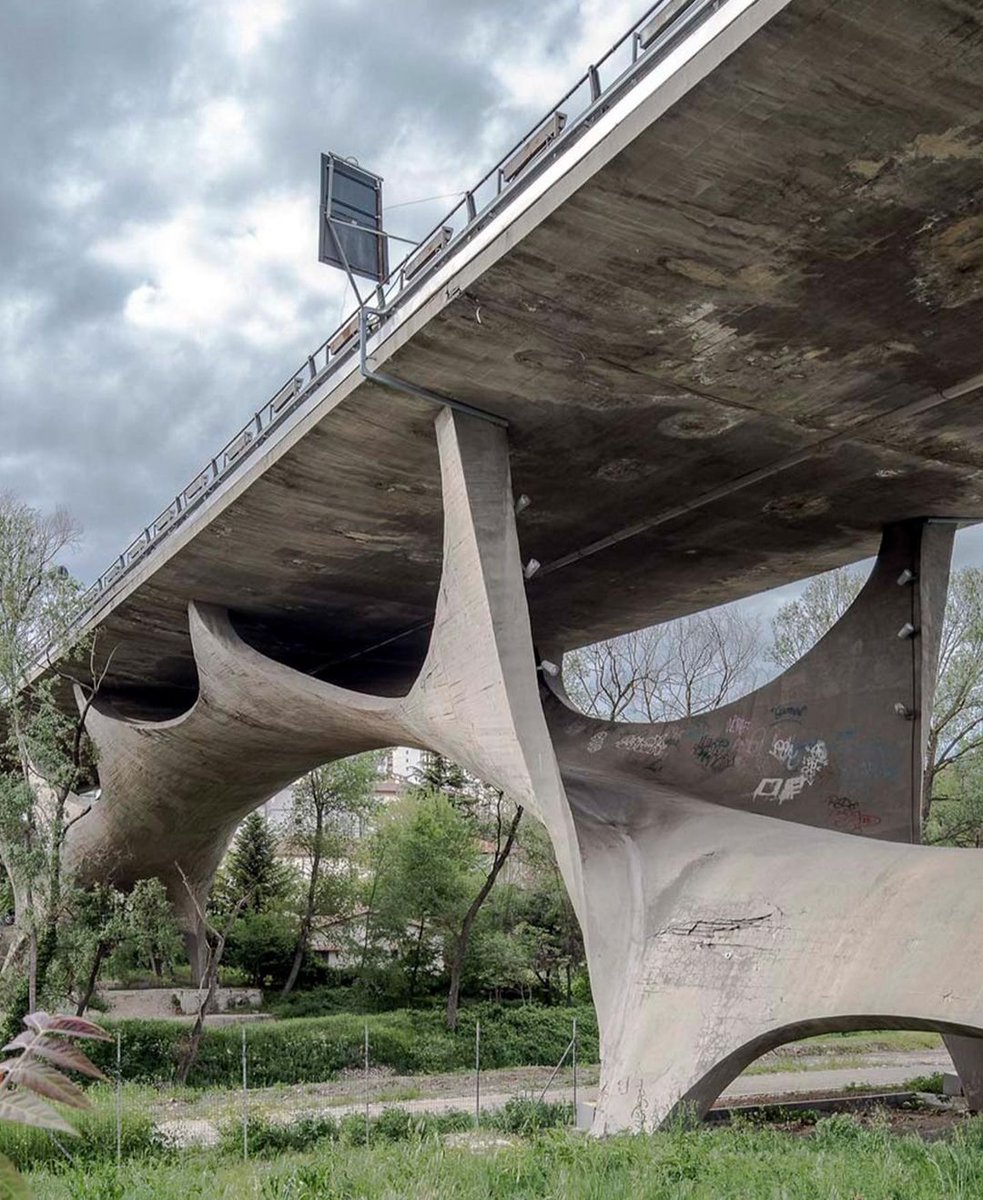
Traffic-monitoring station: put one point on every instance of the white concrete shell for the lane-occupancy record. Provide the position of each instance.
(716, 925)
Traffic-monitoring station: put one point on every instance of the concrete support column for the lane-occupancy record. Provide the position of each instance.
(742, 877)
(967, 1058)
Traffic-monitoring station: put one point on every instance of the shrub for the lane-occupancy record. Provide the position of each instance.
(271, 1138)
(926, 1083)
(312, 1049)
(525, 1115)
(29, 1148)
(841, 1129)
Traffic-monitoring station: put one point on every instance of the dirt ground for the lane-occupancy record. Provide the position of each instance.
(929, 1123)
(783, 1078)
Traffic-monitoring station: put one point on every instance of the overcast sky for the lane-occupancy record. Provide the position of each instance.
(158, 207)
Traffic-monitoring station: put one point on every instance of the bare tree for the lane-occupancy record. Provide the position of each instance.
(667, 671)
(215, 936)
(620, 679)
(710, 660)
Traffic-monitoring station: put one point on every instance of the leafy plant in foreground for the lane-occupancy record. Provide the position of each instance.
(32, 1078)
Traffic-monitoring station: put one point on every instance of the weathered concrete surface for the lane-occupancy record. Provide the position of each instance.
(173, 791)
(713, 932)
(837, 741)
(734, 344)
(708, 330)
(967, 1058)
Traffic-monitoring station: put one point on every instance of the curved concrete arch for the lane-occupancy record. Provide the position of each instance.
(836, 740)
(719, 927)
(716, 1081)
(710, 923)
(173, 791)
(722, 918)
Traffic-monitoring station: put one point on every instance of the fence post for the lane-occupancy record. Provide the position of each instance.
(119, 1098)
(477, 1073)
(575, 1072)
(245, 1100)
(366, 1084)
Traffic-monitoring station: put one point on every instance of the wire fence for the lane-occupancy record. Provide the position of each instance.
(360, 1105)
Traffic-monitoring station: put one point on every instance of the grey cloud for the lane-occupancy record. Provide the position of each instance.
(101, 103)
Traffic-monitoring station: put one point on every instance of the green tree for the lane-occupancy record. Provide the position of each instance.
(548, 926)
(96, 921)
(44, 755)
(252, 869)
(428, 858)
(151, 938)
(799, 624)
(330, 806)
(499, 841)
(261, 945)
(106, 927)
(439, 774)
(956, 817)
(955, 738)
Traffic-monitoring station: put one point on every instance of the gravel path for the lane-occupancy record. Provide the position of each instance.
(782, 1083)
(196, 1123)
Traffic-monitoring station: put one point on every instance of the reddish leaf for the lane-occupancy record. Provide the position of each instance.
(64, 1054)
(46, 1081)
(76, 1027)
(24, 1108)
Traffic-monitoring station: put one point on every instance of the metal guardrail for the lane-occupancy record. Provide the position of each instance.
(648, 41)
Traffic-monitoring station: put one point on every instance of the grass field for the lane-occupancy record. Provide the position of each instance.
(838, 1159)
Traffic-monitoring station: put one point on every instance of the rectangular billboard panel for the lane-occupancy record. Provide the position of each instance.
(351, 219)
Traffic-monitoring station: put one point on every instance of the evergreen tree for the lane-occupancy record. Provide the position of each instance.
(438, 774)
(252, 869)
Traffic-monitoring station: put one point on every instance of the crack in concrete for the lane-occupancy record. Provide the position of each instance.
(710, 926)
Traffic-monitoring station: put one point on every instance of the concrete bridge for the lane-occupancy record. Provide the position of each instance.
(715, 329)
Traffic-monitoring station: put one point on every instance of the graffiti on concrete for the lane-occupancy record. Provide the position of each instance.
(714, 753)
(653, 744)
(846, 814)
(806, 759)
(788, 712)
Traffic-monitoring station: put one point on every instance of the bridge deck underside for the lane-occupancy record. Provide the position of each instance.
(793, 253)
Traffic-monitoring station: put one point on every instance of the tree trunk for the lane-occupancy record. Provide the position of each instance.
(90, 985)
(215, 952)
(32, 970)
(416, 959)
(306, 924)
(464, 934)
(216, 948)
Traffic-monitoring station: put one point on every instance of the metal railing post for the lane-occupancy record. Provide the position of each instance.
(477, 1073)
(245, 1100)
(366, 1084)
(574, 1063)
(119, 1098)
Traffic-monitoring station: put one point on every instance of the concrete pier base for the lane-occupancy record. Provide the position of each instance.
(743, 878)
